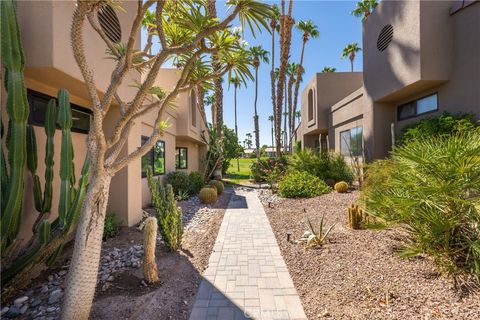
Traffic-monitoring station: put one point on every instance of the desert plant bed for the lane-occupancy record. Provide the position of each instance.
(357, 274)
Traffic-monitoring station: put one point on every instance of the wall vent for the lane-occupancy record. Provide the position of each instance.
(385, 37)
(110, 24)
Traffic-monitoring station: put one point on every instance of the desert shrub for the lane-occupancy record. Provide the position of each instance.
(301, 185)
(326, 165)
(179, 181)
(261, 169)
(341, 187)
(208, 195)
(218, 185)
(169, 216)
(197, 181)
(431, 188)
(111, 228)
(443, 125)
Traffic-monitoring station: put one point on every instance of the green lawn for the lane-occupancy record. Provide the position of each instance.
(242, 176)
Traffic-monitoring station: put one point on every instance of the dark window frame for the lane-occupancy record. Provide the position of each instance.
(310, 105)
(151, 154)
(193, 109)
(399, 118)
(177, 153)
(349, 151)
(32, 94)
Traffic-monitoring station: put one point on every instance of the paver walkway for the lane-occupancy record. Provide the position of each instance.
(246, 277)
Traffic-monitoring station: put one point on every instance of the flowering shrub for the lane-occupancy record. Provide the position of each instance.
(301, 185)
(268, 170)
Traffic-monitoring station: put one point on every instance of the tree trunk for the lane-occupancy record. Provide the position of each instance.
(255, 118)
(297, 88)
(285, 113)
(291, 81)
(272, 78)
(352, 57)
(236, 128)
(81, 283)
(272, 135)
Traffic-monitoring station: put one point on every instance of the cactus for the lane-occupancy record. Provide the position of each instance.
(17, 109)
(218, 185)
(357, 218)
(208, 195)
(43, 204)
(150, 273)
(341, 187)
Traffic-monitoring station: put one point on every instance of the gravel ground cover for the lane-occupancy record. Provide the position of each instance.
(357, 274)
(121, 293)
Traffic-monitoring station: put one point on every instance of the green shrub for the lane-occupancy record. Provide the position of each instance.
(169, 216)
(443, 125)
(431, 188)
(218, 185)
(341, 187)
(263, 168)
(179, 181)
(326, 165)
(208, 195)
(197, 181)
(111, 228)
(301, 185)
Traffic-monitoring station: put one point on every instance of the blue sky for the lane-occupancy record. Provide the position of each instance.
(337, 28)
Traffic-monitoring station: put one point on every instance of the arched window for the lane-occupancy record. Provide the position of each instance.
(310, 105)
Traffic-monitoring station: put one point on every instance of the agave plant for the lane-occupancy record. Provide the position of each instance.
(315, 238)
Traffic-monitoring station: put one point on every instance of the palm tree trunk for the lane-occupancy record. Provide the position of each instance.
(352, 57)
(272, 135)
(285, 111)
(255, 117)
(236, 128)
(297, 88)
(272, 80)
(290, 107)
(286, 24)
(81, 285)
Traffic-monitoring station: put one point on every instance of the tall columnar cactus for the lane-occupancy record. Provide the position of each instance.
(150, 273)
(43, 204)
(17, 109)
(357, 218)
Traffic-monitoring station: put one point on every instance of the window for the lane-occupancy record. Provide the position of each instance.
(193, 107)
(351, 142)
(154, 159)
(38, 103)
(181, 158)
(417, 107)
(310, 105)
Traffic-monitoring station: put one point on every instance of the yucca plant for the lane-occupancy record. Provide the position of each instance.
(314, 238)
(431, 188)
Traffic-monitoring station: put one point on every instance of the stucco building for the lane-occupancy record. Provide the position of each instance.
(420, 59)
(50, 66)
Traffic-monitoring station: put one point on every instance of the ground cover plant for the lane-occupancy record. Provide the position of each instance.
(431, 188)
(263, 169)
(301, 185)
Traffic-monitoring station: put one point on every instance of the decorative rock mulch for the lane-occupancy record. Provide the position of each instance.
(43, 301)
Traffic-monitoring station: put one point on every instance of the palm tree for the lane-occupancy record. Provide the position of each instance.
(292, 72)
(328, 69)
(286, 24)
(258, 55)
(208, 101)
(270, 118)
(364, 8)
(273, 77)
(236, 84)
(309, 30)
(249, 140)
(349, 51)
(298, 115)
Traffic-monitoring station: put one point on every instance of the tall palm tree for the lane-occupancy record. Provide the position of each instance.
(292, 73)
(270, 118)
(258, 55)
(364, 8)
(208, 101)
(274, 28)
(249, 140)
(349, 51)
(309, 31)
(328, 69)
(236, 84)
(286, 24)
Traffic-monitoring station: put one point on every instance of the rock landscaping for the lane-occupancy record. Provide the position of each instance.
(357, 274)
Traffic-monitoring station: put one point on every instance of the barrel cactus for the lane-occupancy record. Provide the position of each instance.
(218, 185)
(150, 272)
(341, 187)
(208, 195)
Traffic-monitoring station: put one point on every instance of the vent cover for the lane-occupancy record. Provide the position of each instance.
(110, 24)
(385, 37)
